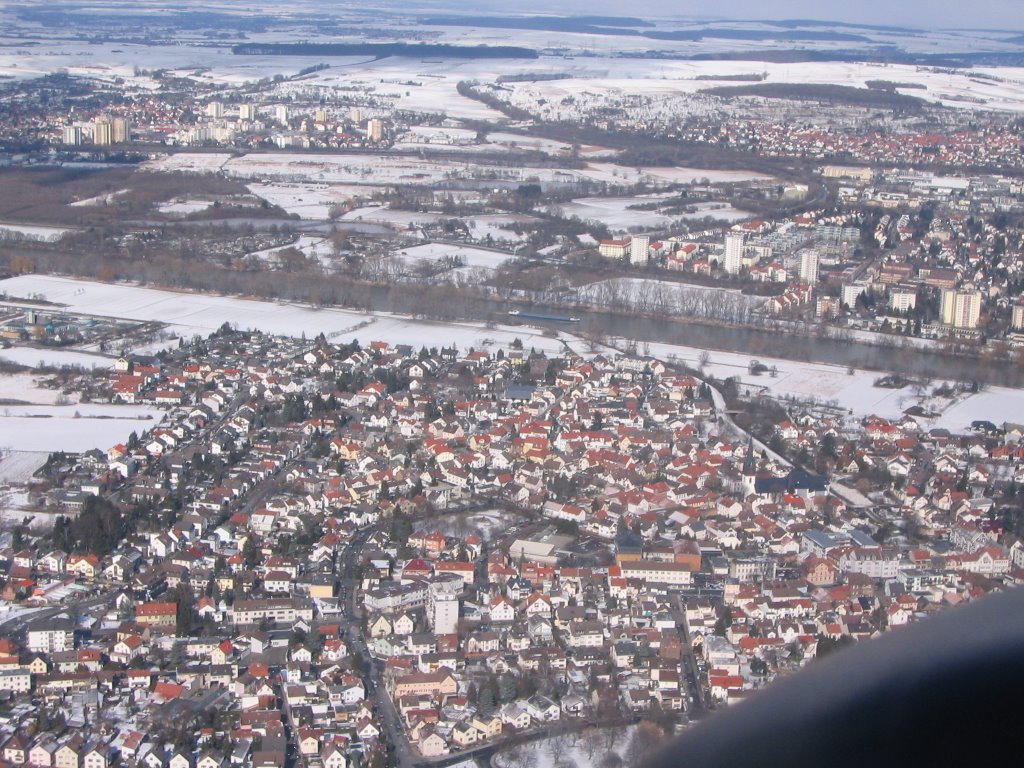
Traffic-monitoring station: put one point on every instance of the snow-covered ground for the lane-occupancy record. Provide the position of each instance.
(497, 225)
(489, 524)
(995, 404)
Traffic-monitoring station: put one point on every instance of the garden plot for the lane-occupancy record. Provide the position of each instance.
(456, 255)
(311, 201)
(36, 357)
(390, 169)
(381, 214)
(73, 428)
(37, 232)
(497, 226)
(313, 248)
(27, 388)
(670, 298)
(614, 213)
(106, 199)
(18, 467)
(488, 524)
(185, 207)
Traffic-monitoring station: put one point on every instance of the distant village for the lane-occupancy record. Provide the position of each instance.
(345, 555)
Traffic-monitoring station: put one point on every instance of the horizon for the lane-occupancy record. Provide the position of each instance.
(987, 15)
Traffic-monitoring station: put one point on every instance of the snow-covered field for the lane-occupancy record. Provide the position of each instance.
(35, 357)
(185, 207)
(25, 388)
(573, 750)
(673, 82)
(313, 247)
(617, 214)
(105, 199)
(72, 428)
(375, 170)
(854, 392)
(995, 404)
(17, 467)
(496, 225)
(34, 231)
(190, 314)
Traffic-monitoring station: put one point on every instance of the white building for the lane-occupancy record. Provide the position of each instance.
(733, 253)
(852, 292)
(809, 266)
(1018, 316)
(903, 299)
(961, 309)
(443, 613)
(51, 637)
(375, 129)
(639, 249)
(102, 132)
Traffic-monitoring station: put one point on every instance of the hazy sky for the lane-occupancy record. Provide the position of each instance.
(993, 14)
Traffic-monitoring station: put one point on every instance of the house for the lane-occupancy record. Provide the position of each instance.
(432, 745)
(464, 734)
(515, 716)
(41, 753)
(97, 756)
(501, 609)
(542, 709)
(69, 754)
(15, 750)
(333, 756)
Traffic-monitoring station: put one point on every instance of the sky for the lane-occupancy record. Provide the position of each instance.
(991, 14)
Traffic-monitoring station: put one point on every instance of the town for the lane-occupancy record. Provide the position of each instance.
(378, 555)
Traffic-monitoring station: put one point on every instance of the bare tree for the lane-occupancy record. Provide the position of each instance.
(592, 743)
(558, 748)
(646, 737)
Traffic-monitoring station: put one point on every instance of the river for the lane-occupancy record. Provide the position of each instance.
(756, 342)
